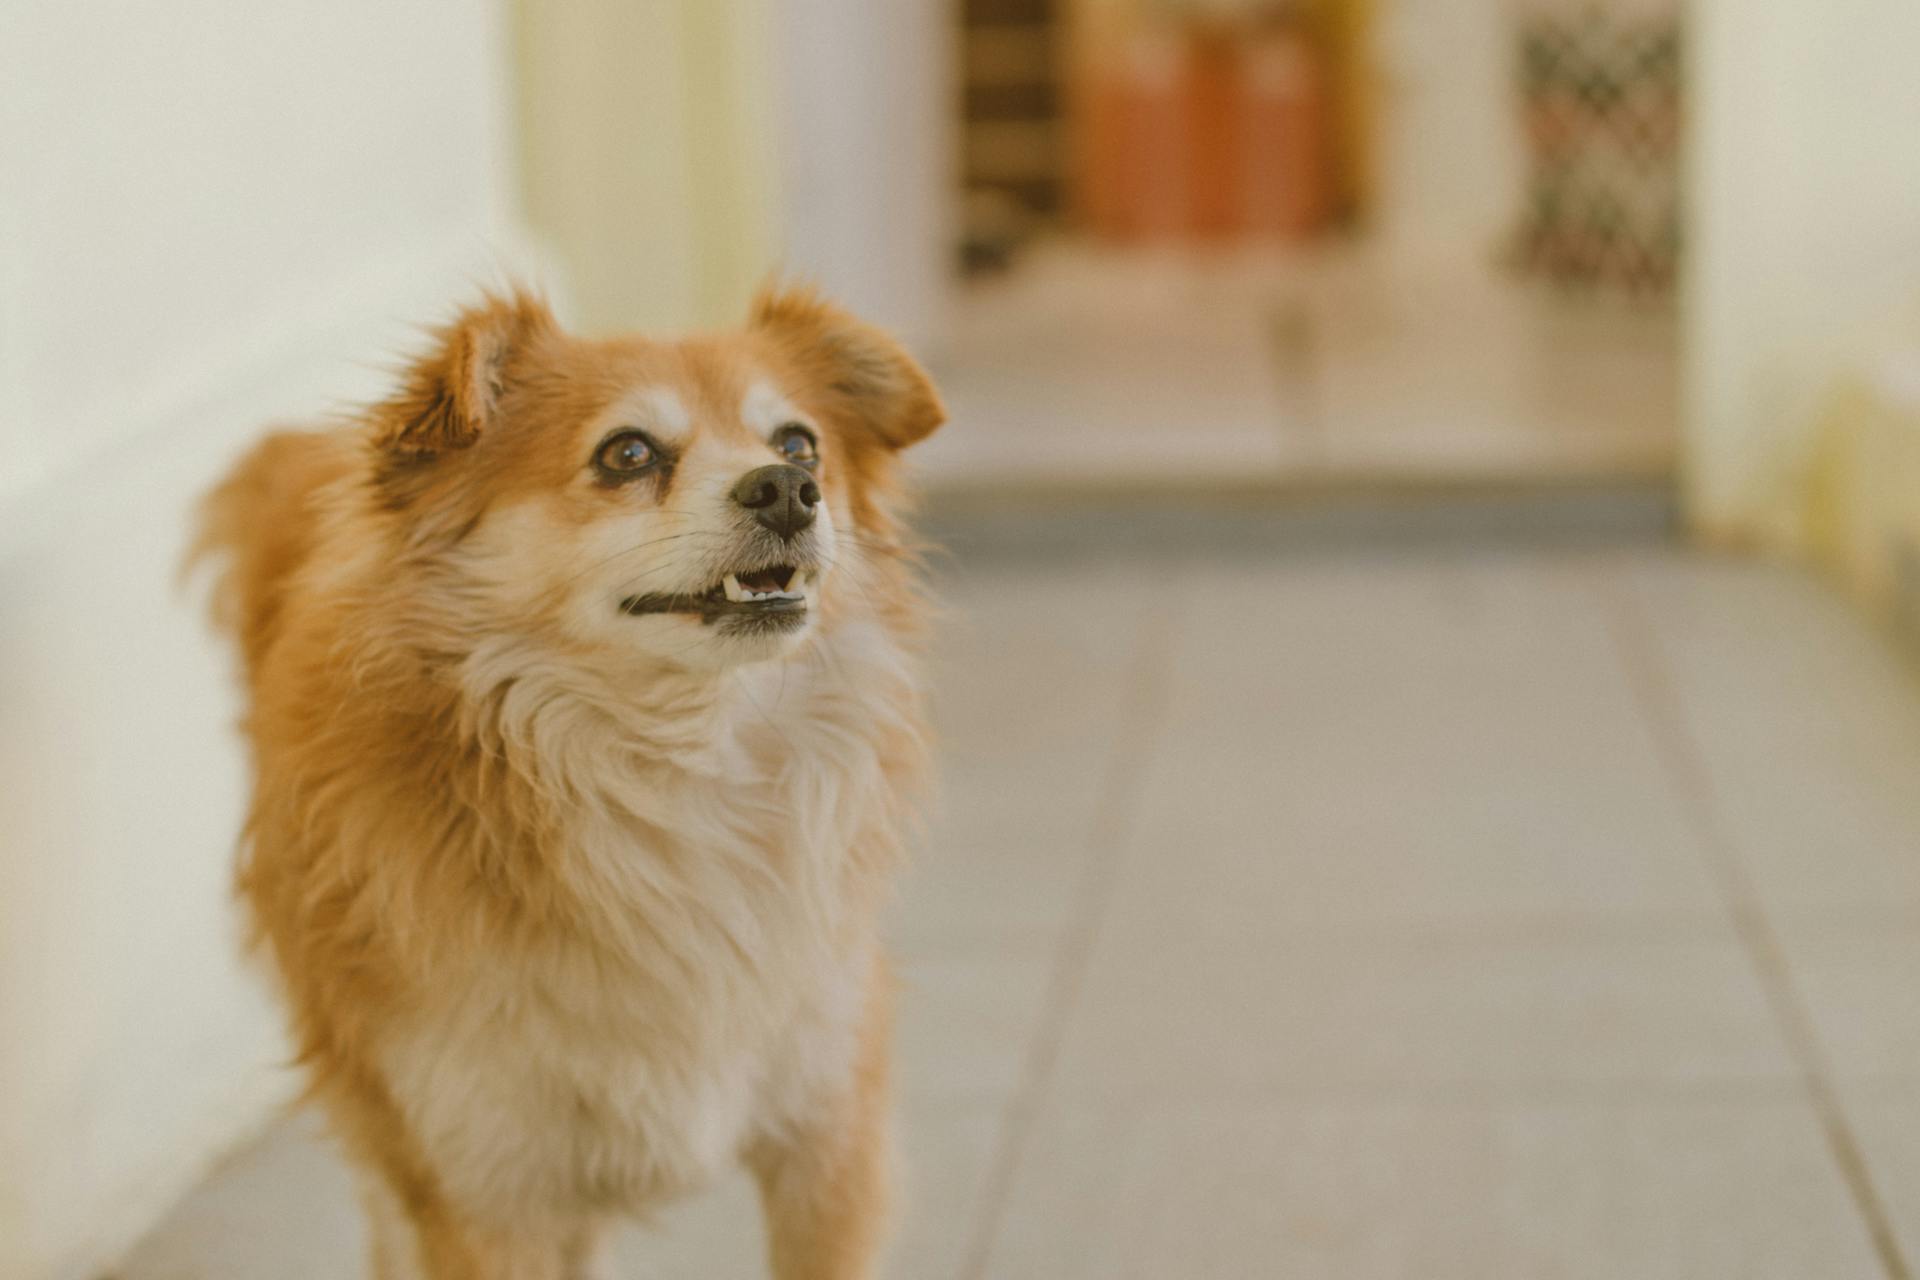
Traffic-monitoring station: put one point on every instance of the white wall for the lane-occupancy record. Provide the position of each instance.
(647, 154)
(1804, 232)
(677, 152)
(867, 110)
(1451, 163)
(211, 214)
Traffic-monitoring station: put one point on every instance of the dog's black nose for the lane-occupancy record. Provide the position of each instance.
(782, 497)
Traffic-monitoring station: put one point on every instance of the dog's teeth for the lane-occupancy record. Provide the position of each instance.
(796, 589)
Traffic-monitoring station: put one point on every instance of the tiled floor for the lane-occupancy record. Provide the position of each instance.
(1276, 369)
(1369, 914)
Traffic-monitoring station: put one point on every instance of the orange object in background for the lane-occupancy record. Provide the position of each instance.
(1287, 137)
(1216, 153)
(1212, 134)
(1135, 180)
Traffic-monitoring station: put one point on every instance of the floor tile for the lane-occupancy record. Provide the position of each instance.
(949, 1153)
(1164, 1016)
(1652, 1192)
(1860, 987)
(1002, 865)
(1886, 1125)
(1407, 742)
(1029, 663)
(1807, 722)
(283, 1209)
(1032, 672)
(967, 1021)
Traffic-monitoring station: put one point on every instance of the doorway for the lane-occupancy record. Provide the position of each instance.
(1276, 244)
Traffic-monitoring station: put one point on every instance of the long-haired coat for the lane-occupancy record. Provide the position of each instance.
(585, 721)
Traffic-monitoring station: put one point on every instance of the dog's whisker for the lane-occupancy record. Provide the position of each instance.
(642, 546)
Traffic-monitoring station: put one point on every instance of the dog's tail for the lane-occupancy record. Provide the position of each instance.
(260, 525)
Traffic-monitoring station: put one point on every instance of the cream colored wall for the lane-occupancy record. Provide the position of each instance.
(211, 215)
(867, 138)
(1803, 235)
(1450, 159)
(647, 155)
(676, 153)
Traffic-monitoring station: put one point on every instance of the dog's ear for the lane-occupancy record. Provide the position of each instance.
(448, 396)
(877, 387)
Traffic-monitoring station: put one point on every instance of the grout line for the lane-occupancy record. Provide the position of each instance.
(1649, 675)
(1147, 681)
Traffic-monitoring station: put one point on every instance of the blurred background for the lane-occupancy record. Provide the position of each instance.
(1432, 756)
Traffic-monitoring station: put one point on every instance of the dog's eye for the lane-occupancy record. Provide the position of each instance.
(796, 444)
(625, 453)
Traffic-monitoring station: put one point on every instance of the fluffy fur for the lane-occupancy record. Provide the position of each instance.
(572, 908)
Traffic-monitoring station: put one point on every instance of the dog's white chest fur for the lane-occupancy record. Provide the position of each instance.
(710, 992)
(591, 1101)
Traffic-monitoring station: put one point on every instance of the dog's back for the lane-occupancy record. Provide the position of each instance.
(262, 522)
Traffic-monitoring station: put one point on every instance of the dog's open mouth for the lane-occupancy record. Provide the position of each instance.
(776, 591)
(781, 582)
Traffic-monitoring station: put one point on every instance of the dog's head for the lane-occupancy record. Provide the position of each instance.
(698, 502)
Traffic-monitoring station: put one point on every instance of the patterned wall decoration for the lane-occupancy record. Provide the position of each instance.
(1601, 99)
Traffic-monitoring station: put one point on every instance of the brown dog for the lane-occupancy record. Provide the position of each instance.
(585, 721)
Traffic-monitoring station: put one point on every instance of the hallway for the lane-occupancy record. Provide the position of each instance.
(1351, 362)
(1352, 912)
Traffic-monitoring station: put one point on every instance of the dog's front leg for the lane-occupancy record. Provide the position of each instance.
(527, 1250)
(827, 1185)
(425, 1242)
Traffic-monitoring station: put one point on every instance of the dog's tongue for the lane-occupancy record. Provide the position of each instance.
(767, 579)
